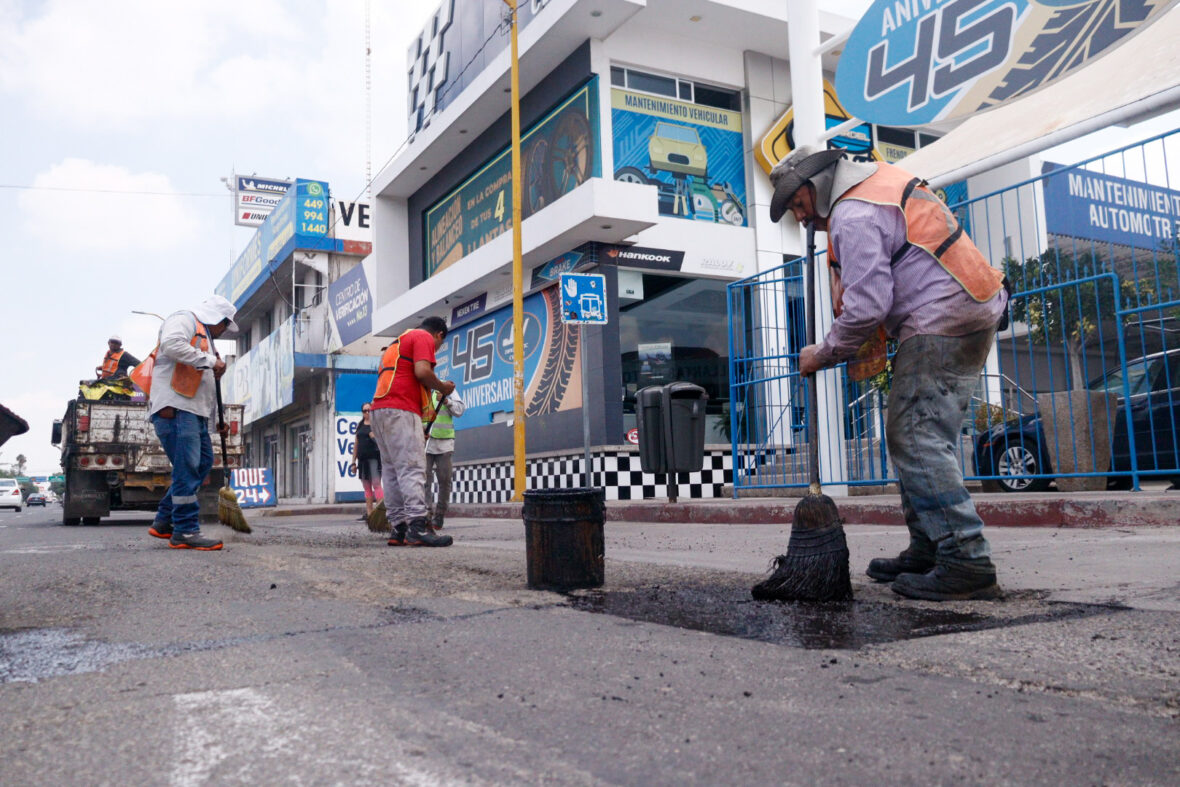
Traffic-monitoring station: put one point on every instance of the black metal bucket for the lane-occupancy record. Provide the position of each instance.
(563, 537)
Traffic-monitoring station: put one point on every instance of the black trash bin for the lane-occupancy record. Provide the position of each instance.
(563, 538)
(684, 426)
(649, 420)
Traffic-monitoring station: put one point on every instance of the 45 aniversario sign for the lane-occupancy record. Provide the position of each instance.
(910, 62)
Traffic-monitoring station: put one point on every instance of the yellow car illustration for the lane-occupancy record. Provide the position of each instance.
(678, 149)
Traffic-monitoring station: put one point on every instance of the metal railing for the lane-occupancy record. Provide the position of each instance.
(1082, 389)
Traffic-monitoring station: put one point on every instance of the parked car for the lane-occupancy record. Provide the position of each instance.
(10, 494)
(36, 499)
(1017, 451)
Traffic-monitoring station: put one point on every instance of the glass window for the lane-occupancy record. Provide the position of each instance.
(617, 77)
(660, 344)
(1139, 377)
(650, 83)
(896, 136)
(686, 90)
(717, 97)
(926, 139)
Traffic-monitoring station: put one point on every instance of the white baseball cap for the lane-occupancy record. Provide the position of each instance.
(213, 310)
(115, 338)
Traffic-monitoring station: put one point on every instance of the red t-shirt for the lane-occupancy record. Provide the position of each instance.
(405, 393)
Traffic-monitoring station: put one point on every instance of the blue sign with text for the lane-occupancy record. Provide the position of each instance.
(352, 305)
(1103, 208)
(254, 487)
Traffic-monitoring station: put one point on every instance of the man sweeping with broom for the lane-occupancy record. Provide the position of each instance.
(899, 260)
(182, 399)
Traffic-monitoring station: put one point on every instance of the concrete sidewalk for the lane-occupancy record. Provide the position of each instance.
(1046, 509)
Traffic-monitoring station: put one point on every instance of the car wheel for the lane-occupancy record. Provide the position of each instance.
(1015, 461)
(71, 521)
(631, 175)
(17, 509)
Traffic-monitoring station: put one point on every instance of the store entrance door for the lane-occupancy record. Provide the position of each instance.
(298, 441)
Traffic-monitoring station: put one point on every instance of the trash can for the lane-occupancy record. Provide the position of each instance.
(684, 426)
(564, 545)
(649, 420)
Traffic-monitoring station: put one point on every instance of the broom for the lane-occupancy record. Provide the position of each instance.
(378, 521)
(815, 567)
(228, 511)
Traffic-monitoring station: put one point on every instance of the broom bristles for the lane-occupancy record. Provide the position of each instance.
(377, 521)
(229, 512)
(815, 567)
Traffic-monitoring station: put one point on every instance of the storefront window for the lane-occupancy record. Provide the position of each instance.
(677, 331)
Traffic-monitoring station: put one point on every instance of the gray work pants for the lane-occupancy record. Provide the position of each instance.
(933, 379)
(403, 463)
(438, 466)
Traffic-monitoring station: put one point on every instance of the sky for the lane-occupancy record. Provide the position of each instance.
(119, 120)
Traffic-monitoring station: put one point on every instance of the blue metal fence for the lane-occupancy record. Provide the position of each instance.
(1082, 390)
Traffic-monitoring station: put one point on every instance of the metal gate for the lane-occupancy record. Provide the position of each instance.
(1082, 390)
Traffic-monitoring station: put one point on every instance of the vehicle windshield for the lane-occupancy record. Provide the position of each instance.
(1140, 373)
(678, 133)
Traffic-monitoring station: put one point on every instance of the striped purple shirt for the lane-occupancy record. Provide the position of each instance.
(915, 296)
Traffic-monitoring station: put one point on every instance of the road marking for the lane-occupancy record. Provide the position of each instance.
(46, 550)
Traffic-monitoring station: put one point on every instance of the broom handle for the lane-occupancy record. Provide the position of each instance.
(220, 421)
(812, 394)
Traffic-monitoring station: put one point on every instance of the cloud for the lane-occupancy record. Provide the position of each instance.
(99, 221)
(115, 64)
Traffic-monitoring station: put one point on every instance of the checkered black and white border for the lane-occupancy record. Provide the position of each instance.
(617, 471)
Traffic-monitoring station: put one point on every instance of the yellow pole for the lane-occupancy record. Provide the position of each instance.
(517, 278)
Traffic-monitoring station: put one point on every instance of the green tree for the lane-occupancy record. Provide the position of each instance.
(1072, 309)
(21, 461)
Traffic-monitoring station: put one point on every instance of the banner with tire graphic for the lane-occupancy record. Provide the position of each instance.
(478, 357)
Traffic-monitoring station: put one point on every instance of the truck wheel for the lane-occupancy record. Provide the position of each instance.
(91, 520)
(71, 521)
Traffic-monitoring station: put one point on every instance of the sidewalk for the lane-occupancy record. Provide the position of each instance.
(1045, 509)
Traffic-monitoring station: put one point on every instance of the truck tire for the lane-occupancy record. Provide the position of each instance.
(91, 520)
(71, 521)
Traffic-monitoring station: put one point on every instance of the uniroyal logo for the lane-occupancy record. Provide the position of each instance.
(249, 215)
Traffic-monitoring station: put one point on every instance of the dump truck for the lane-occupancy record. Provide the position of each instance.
(113, 461)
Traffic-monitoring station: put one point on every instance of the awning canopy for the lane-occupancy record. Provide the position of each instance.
(1139, 79)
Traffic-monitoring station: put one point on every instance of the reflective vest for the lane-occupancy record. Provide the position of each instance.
(930, 226)
(110, 365)
(186, 380)
(443, 427)
(388, 371)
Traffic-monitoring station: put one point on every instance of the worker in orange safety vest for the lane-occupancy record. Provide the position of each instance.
(117, 361)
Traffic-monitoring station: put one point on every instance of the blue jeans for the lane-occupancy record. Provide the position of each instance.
(933, 379)
(185, 438)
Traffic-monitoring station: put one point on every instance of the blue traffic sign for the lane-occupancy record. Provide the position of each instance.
(254, 487)
(583, 299)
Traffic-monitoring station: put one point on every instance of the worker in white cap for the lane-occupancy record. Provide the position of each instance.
(182, 402)
(117, 361)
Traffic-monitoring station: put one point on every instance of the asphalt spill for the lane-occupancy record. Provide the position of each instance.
(838, 626)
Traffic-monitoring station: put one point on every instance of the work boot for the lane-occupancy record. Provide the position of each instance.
(194, 540)
(420, 535)
(436, 523)
(397, 535)
(948, 582)
(160, 530)
(886, 569)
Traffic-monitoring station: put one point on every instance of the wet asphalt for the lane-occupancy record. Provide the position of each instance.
(309, 652)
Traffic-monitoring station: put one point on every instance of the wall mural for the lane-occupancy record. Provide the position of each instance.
(478, 358)
(558, 154)
(693, 154)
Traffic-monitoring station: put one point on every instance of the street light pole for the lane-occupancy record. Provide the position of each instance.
(518, 453)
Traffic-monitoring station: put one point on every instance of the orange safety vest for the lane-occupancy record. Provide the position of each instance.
(930, 226)
(388, 371)
(186, 379)
(110, 364)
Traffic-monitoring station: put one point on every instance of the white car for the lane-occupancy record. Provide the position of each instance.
(10, 494)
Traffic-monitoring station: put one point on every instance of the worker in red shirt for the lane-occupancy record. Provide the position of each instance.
(401, 400)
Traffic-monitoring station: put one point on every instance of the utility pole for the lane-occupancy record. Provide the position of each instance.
(518, 453)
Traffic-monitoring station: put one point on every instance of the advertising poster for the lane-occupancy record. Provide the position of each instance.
(351, 303)
(478, 358)
(1103, 208)
(694, 154)
(263, 379)
(655, 363)
(558, 154)
(352, 391)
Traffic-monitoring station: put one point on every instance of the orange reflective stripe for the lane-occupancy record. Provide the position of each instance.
(932, 227)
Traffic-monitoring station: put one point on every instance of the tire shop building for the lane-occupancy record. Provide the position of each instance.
(646, 129)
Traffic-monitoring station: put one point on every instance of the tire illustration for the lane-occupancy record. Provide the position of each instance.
(631, 175)
(1016, 460)
(569, 159)
(547, 394)
(731, 212)
(535, 182)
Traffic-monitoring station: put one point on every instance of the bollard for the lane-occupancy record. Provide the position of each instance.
(563, 538)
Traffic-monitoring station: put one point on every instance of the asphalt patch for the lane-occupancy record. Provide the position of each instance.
(851, 625)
